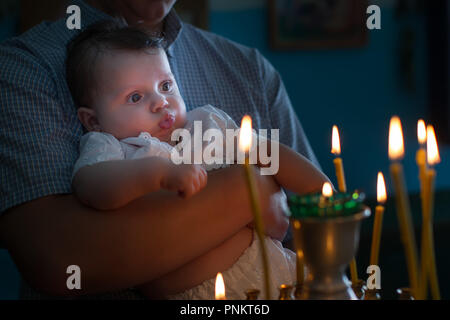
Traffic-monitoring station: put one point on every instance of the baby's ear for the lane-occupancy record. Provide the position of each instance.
(88, 118)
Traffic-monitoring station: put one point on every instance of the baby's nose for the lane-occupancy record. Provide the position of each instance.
(158, 102)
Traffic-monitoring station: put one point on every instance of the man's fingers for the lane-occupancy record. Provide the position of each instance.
(205, 177)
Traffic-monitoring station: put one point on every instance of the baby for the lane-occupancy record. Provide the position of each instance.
(129, 102)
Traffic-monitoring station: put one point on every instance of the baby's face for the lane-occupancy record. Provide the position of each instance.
(137, 92)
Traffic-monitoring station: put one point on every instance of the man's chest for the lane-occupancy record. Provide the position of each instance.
(212, 81)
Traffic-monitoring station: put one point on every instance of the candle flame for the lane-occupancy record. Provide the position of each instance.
(432, 148)
(335, 142)
(220, 287)
(327, 191)
(381, 188)
(245, 134)
(421, 132)
(396, 150)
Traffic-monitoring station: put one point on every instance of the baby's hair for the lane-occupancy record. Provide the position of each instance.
(87, 47)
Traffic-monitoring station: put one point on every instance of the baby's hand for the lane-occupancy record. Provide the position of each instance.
(187, 179)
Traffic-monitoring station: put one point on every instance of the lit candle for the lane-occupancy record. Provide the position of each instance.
(379, 211)
(324, 201)
(421, 160)
(220, 287)
(428, 258)
(327, 190)
(338, 165)
(339, 168)
(396, 152)
(245, 141)
(421, 155)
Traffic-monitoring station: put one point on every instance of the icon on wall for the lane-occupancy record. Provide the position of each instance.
(317, 24)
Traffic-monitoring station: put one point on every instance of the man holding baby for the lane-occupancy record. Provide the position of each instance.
(46, 229)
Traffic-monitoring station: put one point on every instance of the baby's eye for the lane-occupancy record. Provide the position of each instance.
(166, 86)
(135, 97)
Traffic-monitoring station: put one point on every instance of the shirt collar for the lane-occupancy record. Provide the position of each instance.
(172, 29)
(172, 23)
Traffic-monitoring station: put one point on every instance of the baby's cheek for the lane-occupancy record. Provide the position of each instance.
(181, 117)
(124, 125)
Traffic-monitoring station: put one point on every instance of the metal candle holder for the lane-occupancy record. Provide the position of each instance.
(328, 236)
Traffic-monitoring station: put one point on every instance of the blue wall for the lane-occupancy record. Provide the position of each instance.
(9, 276)
(8, 26)
(356, 89)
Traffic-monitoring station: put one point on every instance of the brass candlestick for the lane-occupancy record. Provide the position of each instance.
(372, 294)
(359, 288)
(252, 294)
(405, 294)
(328, 238)
(298, 291)
(286, 292)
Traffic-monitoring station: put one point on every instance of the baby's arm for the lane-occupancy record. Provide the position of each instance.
(112, 184)
(295, 173)
(298, 174)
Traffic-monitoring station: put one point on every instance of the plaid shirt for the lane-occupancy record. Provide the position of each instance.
(39, 128)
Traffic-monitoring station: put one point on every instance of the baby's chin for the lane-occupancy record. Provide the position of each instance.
(169, 141)
(168, 138)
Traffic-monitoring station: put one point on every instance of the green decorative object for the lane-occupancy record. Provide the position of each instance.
(318, 206)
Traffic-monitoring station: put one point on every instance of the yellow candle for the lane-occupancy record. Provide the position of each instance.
(339, 168)
(424, 247)
(421, 160)
(421, 155)
(432, 158)
(354, 271)
(430, 264)
(396, 152)
(406, 227)
(338, 165)
(245, 140)
(379, 210)
(376, 236)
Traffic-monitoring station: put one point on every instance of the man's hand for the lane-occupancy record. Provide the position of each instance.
(187, 179)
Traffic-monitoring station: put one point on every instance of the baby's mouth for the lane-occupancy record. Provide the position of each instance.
(167, 121)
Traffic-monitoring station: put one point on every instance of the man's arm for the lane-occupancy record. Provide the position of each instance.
(282, 114)
(135, 244)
